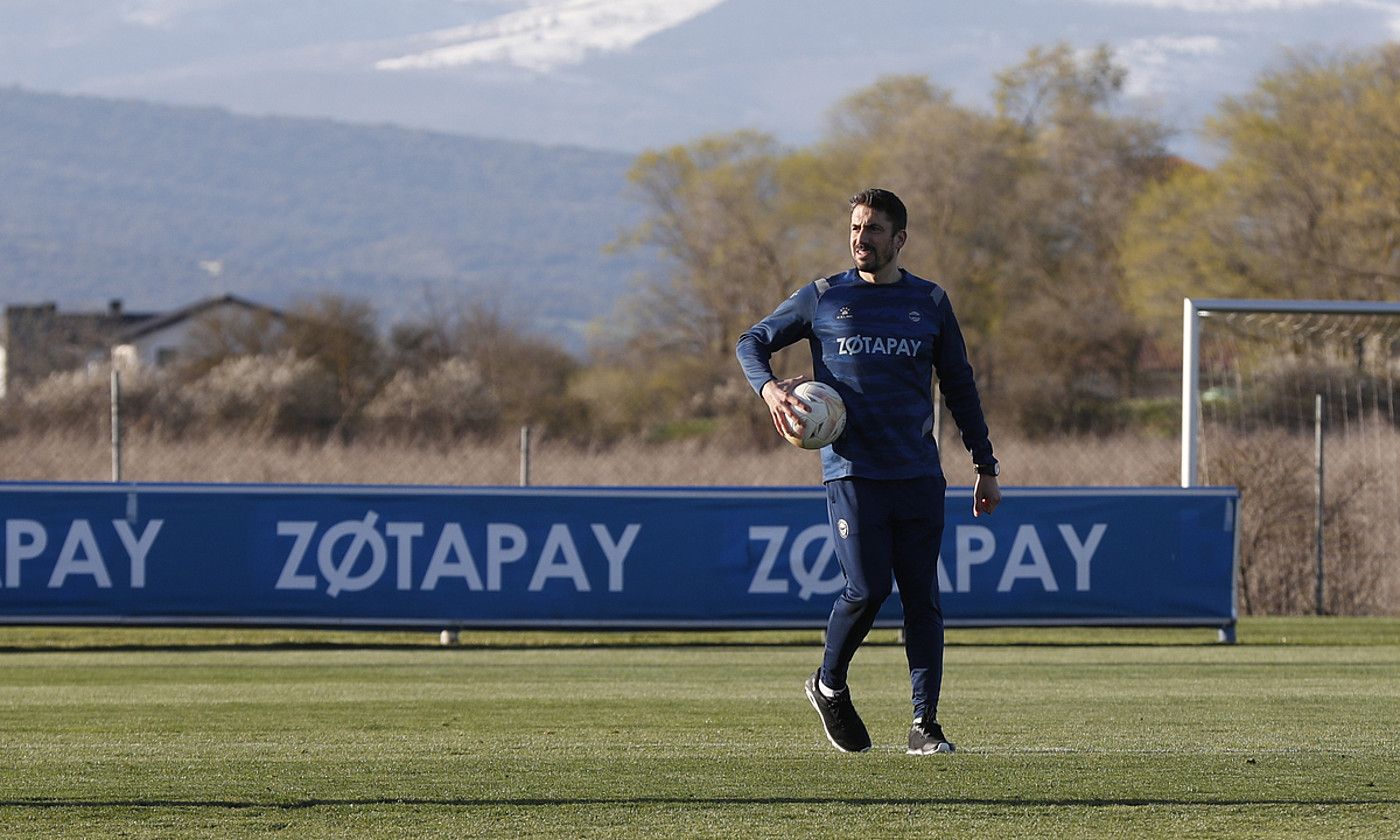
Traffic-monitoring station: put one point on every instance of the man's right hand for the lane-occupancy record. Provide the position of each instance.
(781, 402)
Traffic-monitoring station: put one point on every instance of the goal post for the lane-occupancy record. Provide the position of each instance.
(1263, 384)
(1194, 310)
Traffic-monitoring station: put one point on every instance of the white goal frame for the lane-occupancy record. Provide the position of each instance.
(1194, 310)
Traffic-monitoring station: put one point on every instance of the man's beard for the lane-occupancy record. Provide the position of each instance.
(874, 260)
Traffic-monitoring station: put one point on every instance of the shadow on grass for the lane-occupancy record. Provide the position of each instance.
(815, 642)
(229, 647)
(233, 647)
(529, 802)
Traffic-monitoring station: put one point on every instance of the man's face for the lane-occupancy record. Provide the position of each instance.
(874, 244)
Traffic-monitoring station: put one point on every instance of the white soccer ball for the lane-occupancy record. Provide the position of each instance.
(824, 422)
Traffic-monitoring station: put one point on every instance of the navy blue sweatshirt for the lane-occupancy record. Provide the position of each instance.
(879, 346)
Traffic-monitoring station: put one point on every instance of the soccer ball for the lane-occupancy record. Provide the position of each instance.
(826, 420)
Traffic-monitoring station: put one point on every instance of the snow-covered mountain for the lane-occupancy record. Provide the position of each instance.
(633, 74)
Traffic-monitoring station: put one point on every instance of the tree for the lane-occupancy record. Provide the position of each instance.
(527, 373)
(1054, 86)
(731, 213)
(216, 338)
(723, 214)
(340, 335)
(955, 168)
(1312, 173)
(1082, 167)
(1019, 213)
(1072, 344)
(523, 376)
(1306, 203)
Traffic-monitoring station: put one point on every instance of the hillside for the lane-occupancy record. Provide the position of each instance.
(113, 199)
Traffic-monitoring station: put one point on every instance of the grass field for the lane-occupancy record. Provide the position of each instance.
(1104, 733)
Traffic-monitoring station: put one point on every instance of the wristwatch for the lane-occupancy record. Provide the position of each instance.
(987, 469)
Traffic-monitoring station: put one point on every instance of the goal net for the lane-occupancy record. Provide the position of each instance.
(1297, 403)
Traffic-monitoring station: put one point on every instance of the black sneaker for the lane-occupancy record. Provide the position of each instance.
(927, 739)
(844, 728)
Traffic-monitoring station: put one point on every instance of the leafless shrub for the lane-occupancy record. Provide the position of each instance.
(78, 400)
(218, 337)
(1282, 396)
(445, 402)
(280, 394)
(340, 335)
(1275, 562)
(1071, 374)
(1275, 474)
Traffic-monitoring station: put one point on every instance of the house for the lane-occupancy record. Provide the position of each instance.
(39, 340)
(159, 341)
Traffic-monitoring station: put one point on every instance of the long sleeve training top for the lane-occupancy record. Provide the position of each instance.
(879, 346)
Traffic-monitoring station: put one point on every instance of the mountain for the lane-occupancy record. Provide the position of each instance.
(633, 74)
(313, 146)
(161, 205)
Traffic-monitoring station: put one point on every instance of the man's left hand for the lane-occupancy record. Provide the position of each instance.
(986, 495)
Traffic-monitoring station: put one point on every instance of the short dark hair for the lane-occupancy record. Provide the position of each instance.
(884, 201)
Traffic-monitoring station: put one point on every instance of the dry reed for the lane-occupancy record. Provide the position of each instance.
(248, 457)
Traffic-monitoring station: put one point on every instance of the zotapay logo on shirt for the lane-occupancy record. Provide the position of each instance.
(856, 345)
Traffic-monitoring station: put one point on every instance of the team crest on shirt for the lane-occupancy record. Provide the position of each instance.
(843, 313)
(915, 316)
(843, 528)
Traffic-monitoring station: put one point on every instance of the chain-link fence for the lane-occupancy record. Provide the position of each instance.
(1276, 516)
(96, 448)
(245, 457)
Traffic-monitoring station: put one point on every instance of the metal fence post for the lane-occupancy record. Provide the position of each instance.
(1318, 423)
(116, 425)
(524, 456)
(1190, 399)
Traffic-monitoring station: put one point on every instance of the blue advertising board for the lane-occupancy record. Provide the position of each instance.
(586, 557)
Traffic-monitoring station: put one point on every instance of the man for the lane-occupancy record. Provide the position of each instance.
(878, 334)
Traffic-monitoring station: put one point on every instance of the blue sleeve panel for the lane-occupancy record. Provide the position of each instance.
(879, 346)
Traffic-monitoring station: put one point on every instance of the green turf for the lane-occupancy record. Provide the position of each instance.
(1070, 733)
